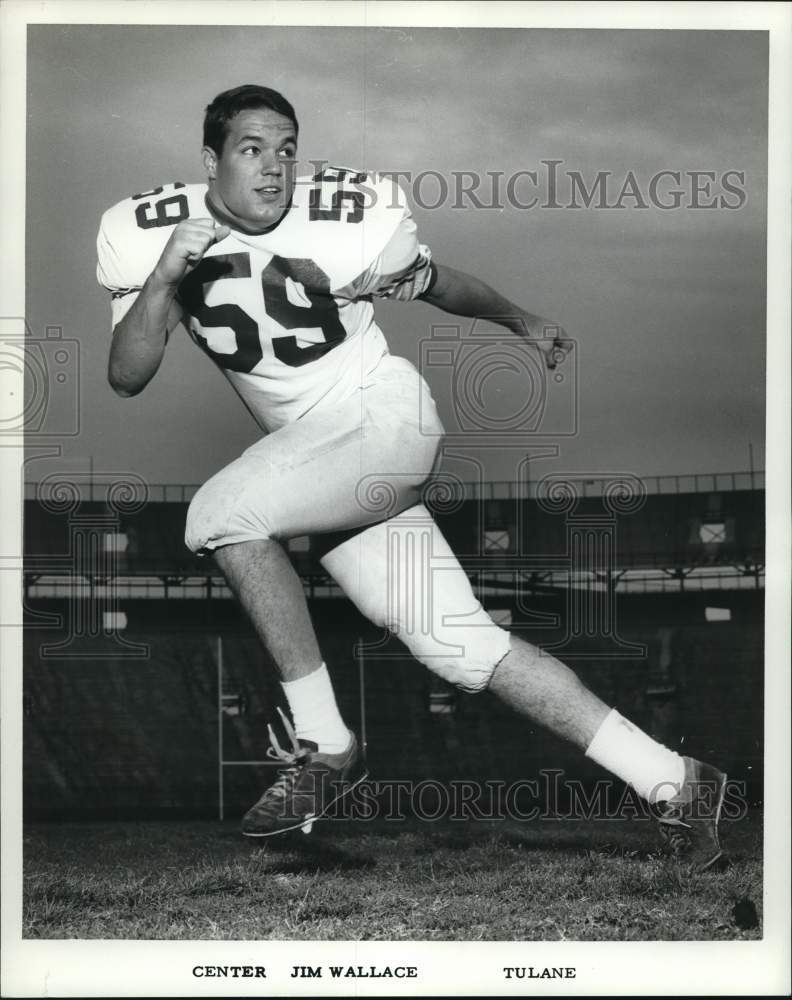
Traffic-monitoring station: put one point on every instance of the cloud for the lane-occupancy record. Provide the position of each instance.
(115, 110)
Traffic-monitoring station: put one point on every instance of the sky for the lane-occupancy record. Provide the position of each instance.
(666, 306)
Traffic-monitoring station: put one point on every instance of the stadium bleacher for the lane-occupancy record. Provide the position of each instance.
(123, 719)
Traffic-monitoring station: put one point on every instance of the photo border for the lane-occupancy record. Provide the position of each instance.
(116, 968)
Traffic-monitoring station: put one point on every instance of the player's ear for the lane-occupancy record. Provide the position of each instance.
(209, 162)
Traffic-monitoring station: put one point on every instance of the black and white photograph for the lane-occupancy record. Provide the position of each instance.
(395, 540)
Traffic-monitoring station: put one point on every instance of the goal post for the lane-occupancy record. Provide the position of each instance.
(219, 653)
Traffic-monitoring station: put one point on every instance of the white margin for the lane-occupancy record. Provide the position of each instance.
(113, 968)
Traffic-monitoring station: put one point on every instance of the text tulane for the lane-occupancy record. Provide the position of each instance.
(545, 972)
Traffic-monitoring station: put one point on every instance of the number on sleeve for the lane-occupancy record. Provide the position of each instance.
(356, 199)
(166, 212)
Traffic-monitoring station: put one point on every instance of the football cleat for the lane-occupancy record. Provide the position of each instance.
(305, 788)
(689, 821)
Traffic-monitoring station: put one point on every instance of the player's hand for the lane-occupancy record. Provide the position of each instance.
(185, 249)
(551, 341)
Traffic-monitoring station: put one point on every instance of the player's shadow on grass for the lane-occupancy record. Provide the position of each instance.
(476, 835)
(565, 841)
(294, 854)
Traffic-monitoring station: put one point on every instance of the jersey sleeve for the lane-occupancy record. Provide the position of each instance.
(403, 270)
(114, 273)
(133, 234)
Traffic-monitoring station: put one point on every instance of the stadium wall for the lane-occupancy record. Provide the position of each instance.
(116, 730)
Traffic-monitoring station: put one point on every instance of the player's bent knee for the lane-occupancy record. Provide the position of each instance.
(216, 517)
(463, 656)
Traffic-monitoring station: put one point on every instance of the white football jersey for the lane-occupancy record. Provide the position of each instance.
(287, 314)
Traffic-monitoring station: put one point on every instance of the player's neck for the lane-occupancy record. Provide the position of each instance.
(220, 215)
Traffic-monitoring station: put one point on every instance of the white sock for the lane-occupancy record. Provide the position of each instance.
(654, 771)
(315, 713)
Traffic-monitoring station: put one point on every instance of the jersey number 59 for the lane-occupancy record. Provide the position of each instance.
(321, 313)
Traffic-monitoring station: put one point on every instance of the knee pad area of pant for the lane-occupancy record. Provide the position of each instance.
(201, 518)
(216, 517)
(465, 656)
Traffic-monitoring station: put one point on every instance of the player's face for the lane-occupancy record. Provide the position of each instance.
(252, 181)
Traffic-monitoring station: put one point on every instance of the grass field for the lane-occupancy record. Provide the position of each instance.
(545, 880)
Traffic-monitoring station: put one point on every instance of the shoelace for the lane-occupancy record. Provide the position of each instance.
(672, 828)
(293, 759)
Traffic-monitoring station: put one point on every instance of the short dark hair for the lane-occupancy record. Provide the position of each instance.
(228, 104)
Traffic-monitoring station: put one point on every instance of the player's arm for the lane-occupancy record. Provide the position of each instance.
(465, 295)
(405, 271)
(140, 338)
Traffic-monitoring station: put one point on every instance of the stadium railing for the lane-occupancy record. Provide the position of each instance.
(703, 482)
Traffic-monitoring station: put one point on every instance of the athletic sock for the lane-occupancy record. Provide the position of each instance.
(654, 771)
(315, 713)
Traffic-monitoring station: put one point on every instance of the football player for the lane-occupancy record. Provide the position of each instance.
(274, 275)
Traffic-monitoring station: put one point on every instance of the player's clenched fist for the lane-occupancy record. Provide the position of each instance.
(553, 344)
(550, 338)
(188, 243)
